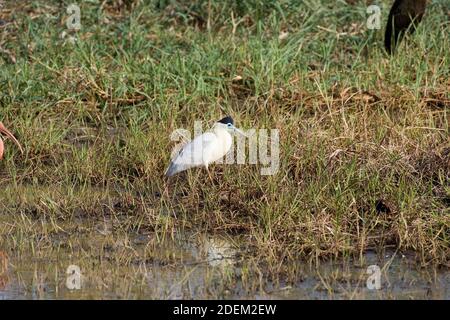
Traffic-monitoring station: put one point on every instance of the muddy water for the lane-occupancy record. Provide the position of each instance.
(209, 268)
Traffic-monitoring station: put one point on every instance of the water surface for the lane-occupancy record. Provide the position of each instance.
(207, 268)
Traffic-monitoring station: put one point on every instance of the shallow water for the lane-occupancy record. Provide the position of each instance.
(209, 268)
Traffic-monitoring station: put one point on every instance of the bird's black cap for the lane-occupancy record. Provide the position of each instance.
(226, 120)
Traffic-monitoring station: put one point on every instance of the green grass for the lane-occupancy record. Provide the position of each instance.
(357, 127)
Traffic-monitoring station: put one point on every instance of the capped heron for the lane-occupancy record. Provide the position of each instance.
(205, 148)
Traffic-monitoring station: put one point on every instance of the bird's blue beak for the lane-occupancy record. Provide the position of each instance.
(239, 131)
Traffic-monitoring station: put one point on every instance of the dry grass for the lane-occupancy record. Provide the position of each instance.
(364, 138)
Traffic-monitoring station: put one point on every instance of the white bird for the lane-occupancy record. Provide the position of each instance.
(206, 148)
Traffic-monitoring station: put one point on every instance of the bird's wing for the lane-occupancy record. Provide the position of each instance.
(192, 154)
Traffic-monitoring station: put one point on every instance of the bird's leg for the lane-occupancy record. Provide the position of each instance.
(193, 178)
(11, 136)
(209, 174)
(197, 176)
(166, 189)
(190, 179)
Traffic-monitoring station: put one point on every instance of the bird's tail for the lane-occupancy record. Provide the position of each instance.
(171, 170)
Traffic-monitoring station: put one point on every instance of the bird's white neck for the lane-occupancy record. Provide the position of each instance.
(224, 136)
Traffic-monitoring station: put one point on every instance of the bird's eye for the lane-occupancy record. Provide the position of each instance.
(229, 125)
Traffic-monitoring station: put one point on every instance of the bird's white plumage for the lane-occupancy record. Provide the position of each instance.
(202, 150)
